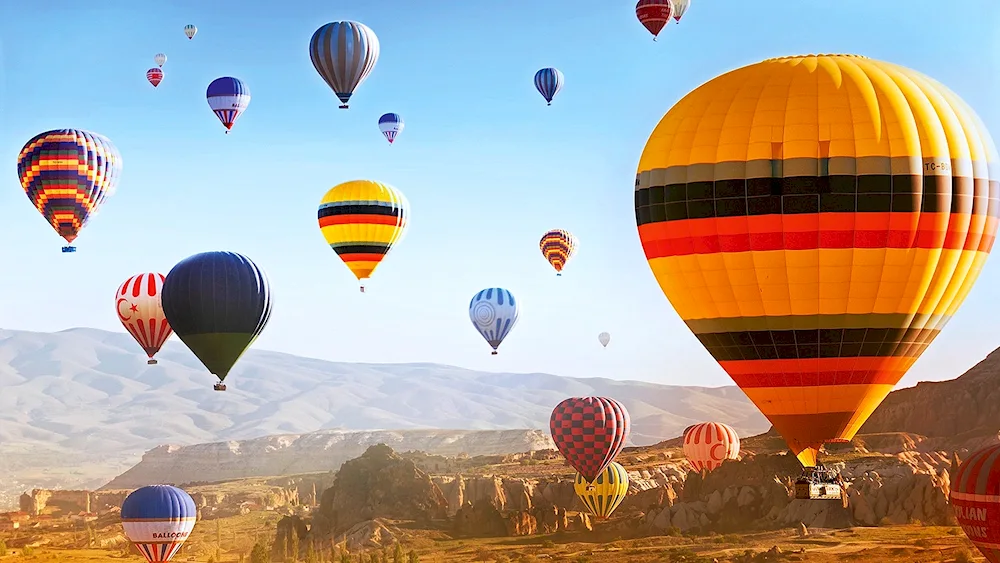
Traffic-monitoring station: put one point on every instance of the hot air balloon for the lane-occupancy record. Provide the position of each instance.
(708, 444)
(158, 520)
(558, 246)
(608, 491)
(494, 313)
(390, 124)
(589, 432)
(975, 500)
(818, 238)
(154, 76)
(680, 6)
(361, 220)
(137, 302)
(218, 303)
(548, 82)
(190, 31)
(229, 98)
(67, 174)
(159, 59)
(654, 14)
(344, 54)
(604, 338)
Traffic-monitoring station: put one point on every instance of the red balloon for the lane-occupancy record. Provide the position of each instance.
(154, 76)
(589, 432)
(975, 499)
(654, 14)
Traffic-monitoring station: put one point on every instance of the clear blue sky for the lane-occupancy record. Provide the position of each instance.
(487, 167)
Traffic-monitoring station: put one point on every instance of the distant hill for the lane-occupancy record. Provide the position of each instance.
(80, 406)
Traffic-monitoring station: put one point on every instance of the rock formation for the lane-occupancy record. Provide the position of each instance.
(292, 454)
(379, 484)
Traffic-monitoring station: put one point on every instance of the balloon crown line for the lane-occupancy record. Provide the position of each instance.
(814, 55)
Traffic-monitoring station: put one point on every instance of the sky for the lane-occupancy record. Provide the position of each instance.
(486, 166)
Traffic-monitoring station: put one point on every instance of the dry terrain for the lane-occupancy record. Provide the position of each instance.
(235, 535)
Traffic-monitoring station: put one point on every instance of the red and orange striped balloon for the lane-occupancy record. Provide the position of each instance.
(975, 500)
(708, 444)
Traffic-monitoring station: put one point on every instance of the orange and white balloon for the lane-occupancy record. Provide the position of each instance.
(137, 303)
(708, 444)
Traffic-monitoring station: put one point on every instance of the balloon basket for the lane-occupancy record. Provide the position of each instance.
(559, 275)
(362, 289)
(151, 362)
(69, 249)
(549, 104)
(220, 387)
(343, 106)
(493, 353)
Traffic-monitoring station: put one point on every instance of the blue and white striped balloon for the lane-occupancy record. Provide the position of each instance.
(494, 313)
(390, 124)
(549, 81)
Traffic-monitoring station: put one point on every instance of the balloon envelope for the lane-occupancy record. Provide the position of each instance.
(680, 6)
(158, 520)
(589, 432)
(228, 97)
(218, 303)
(654, 14)
(344, 53)
(548, 82)
(390, 124)
(494, 313)
(815, 251)
(361, 220)
(708, 444)
(154, 76)
(140, 311)
(558, 246)
(975, 500)
(604, 338)
(605, 493)
(67, 174)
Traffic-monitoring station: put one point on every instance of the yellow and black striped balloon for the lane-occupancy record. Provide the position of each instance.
(361, 220)
(608, 491)
(558, 246)
(816, 220)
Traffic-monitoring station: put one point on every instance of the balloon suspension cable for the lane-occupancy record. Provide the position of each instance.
(151, 362)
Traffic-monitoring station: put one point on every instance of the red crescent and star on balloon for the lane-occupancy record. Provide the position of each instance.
(133, 308)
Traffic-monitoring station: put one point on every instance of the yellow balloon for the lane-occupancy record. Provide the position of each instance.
(608, 491)
(815, 221)
(361, 220)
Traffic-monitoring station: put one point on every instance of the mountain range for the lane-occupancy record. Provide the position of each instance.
(80, 406)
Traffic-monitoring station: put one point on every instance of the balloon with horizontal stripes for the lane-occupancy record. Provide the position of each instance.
(361, 220)
(604, 494)
(708, 444)
(140, 311)
(558, 246)
(655, 14)
(68, 174)
(815, 220)
(158, 519)
(975, 500)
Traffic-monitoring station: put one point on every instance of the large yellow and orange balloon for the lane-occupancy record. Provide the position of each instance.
(361, 220)
(815, 221)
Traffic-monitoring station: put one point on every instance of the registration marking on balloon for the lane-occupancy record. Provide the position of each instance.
(807, 235)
